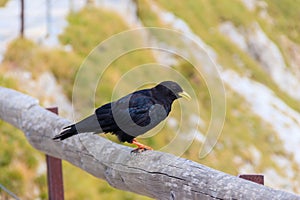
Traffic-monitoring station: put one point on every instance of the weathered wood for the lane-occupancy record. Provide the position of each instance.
(151, 173)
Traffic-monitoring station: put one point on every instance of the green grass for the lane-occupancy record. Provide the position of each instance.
(204, 15)
(26, 55)
(89, 27)
(285, 15)
(21, 53)
(18, 161)
(148, 17)
(91, 187)
(3, 3)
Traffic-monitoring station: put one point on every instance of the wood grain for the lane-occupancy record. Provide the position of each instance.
(151, 173)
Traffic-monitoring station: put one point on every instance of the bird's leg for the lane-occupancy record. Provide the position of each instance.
(140, 147)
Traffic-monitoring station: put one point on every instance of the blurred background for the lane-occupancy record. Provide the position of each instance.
(254, 43)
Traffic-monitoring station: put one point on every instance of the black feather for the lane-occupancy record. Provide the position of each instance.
(66, 133)
(130, 116)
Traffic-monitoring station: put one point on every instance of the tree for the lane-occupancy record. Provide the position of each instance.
(22, 19)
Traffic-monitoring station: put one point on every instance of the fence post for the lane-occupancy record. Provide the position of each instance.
(54, 173)
(256, 178)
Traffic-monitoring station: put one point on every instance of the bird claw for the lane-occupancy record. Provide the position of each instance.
(141, 147)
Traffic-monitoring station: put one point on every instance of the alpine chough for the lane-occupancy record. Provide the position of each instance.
(131, 115)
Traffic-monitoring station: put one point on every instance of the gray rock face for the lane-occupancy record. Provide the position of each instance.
(256, 43)
(45, 88)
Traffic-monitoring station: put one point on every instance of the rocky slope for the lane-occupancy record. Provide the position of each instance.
(257, 63)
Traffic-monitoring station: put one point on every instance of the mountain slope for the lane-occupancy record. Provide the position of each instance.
(254, 45)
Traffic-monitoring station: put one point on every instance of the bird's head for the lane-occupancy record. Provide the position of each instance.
(171, 88)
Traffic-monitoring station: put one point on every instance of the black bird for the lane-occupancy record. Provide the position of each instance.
(130, 116)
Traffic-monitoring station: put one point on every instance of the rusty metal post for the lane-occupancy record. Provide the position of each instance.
(54, 173)
(256, 178)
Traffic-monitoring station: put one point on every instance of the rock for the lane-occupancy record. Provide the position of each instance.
(256, 43)
(45, 88)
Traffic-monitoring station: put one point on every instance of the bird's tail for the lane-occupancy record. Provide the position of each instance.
(66, 132)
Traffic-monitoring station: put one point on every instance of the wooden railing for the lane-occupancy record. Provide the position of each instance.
(155, 174)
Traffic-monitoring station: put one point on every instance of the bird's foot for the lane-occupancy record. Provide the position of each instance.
(140, 148)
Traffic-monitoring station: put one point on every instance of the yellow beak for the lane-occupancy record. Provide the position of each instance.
(185, 95)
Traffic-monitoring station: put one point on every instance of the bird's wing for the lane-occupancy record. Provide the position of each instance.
(127, 112)
(137, 114)
(135, 108)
